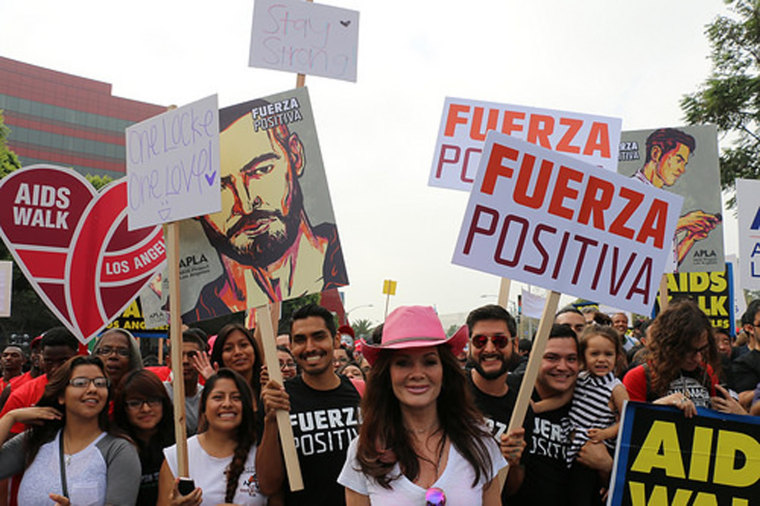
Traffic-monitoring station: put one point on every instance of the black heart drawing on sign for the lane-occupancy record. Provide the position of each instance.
(345, 23)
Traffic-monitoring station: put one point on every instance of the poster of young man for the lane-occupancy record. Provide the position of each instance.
(276, 224)
(684, 161)
(663, 457)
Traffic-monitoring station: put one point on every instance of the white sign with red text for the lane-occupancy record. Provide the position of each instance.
(6, 285)
(464, 124)
(550, 220)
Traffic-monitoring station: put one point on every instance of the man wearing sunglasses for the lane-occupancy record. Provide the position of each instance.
(492, 350)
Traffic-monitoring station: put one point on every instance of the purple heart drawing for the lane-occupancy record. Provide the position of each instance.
(210, 178)
(345, 23)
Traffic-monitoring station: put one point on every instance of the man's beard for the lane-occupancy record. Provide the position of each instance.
(490, 375)
(264, 249)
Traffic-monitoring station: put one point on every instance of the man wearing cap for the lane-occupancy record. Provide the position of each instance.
(493, 350)
(324, 414)
(547, 477)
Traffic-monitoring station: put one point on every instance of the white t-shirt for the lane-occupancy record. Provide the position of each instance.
(455, 480)
(208, 473)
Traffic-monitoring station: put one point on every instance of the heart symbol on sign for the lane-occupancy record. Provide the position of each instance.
(74, 246)
(345, 23)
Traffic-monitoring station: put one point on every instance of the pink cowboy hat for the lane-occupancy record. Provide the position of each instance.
(414, 327)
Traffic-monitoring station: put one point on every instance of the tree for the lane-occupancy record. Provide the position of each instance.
(362, 328)
(730, 96)
(8, 159)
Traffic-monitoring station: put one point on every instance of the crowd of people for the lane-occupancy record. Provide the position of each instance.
(407, 415)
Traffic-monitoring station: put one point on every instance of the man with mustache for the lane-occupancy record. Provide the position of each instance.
(492, 350)
(263, 228)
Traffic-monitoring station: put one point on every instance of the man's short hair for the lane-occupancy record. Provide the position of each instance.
(748, 318)
(308, 310)
(667, 139)
(197, 336)
(59, 336)
(568, 309)
(563, 330)
(492, 312)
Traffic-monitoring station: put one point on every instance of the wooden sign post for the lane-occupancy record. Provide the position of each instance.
(503, 298)
(531, 370)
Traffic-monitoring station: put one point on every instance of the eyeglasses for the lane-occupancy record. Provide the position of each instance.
(137, 404)
(82, 382)
(435, 497)
(287, 365)
(702, 350)
(107, 350)
(498, 340)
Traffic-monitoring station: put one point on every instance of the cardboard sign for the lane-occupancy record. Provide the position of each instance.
(663, 457)
(6, 288)
(305, 38)
(712, 291)
(748, 204)
(173, 165)
(74, 246)
(684, 161)
(465, 123)
(276, 225)
(550, 220)
(132, 319)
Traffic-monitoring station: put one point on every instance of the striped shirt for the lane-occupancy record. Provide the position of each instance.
(590, 409)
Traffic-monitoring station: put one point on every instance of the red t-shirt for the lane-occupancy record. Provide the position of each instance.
(24, 396)
(635, 382)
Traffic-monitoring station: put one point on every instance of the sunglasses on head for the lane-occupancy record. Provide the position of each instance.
(498, 340)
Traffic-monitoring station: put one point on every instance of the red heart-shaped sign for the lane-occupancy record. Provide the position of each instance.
(74, 246)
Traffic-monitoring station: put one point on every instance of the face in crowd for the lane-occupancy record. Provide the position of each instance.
(492, 348)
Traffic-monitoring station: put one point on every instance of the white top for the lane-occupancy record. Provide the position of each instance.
(455, 480)
(208, 473)
(85, 475)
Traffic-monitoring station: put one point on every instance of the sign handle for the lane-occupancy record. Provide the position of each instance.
(171, 236)
(301, 78)
(531, 370)
(503, 299)
(293, 468)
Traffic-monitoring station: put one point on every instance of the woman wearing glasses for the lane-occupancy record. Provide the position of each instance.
(422, 441)
(681, 362)
(120, 353)
(69, 457)
(143, 410)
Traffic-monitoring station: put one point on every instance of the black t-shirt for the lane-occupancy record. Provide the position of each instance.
(496, 410)
(324, 423)
(546, 473)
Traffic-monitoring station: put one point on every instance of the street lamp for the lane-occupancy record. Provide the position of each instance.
(357, 307)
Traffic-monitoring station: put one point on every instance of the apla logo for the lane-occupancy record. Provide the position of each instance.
(703, 253)
(192, 260)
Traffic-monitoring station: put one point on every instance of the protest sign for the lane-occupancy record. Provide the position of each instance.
(276, 220)
(305, 38)
(6, 288)
(132, 320)
(662, 457)
(173, 165)
(748, 204)
(74, 247)
(712, 291)
(550, 220)
(464, 124)
(683, 161)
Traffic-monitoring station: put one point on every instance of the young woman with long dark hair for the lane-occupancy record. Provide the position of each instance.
(69, 456)
(222, 456)
(143, 410)
(422, 441)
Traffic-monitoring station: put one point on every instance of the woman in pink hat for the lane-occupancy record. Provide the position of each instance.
(422, 440)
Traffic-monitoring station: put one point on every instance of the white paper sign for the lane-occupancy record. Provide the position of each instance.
(464, 124)
(6, 285)
(748, 203)
(173, 165)
(550, 220)
(306, 38)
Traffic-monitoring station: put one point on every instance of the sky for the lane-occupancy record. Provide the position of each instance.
(633, 60)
